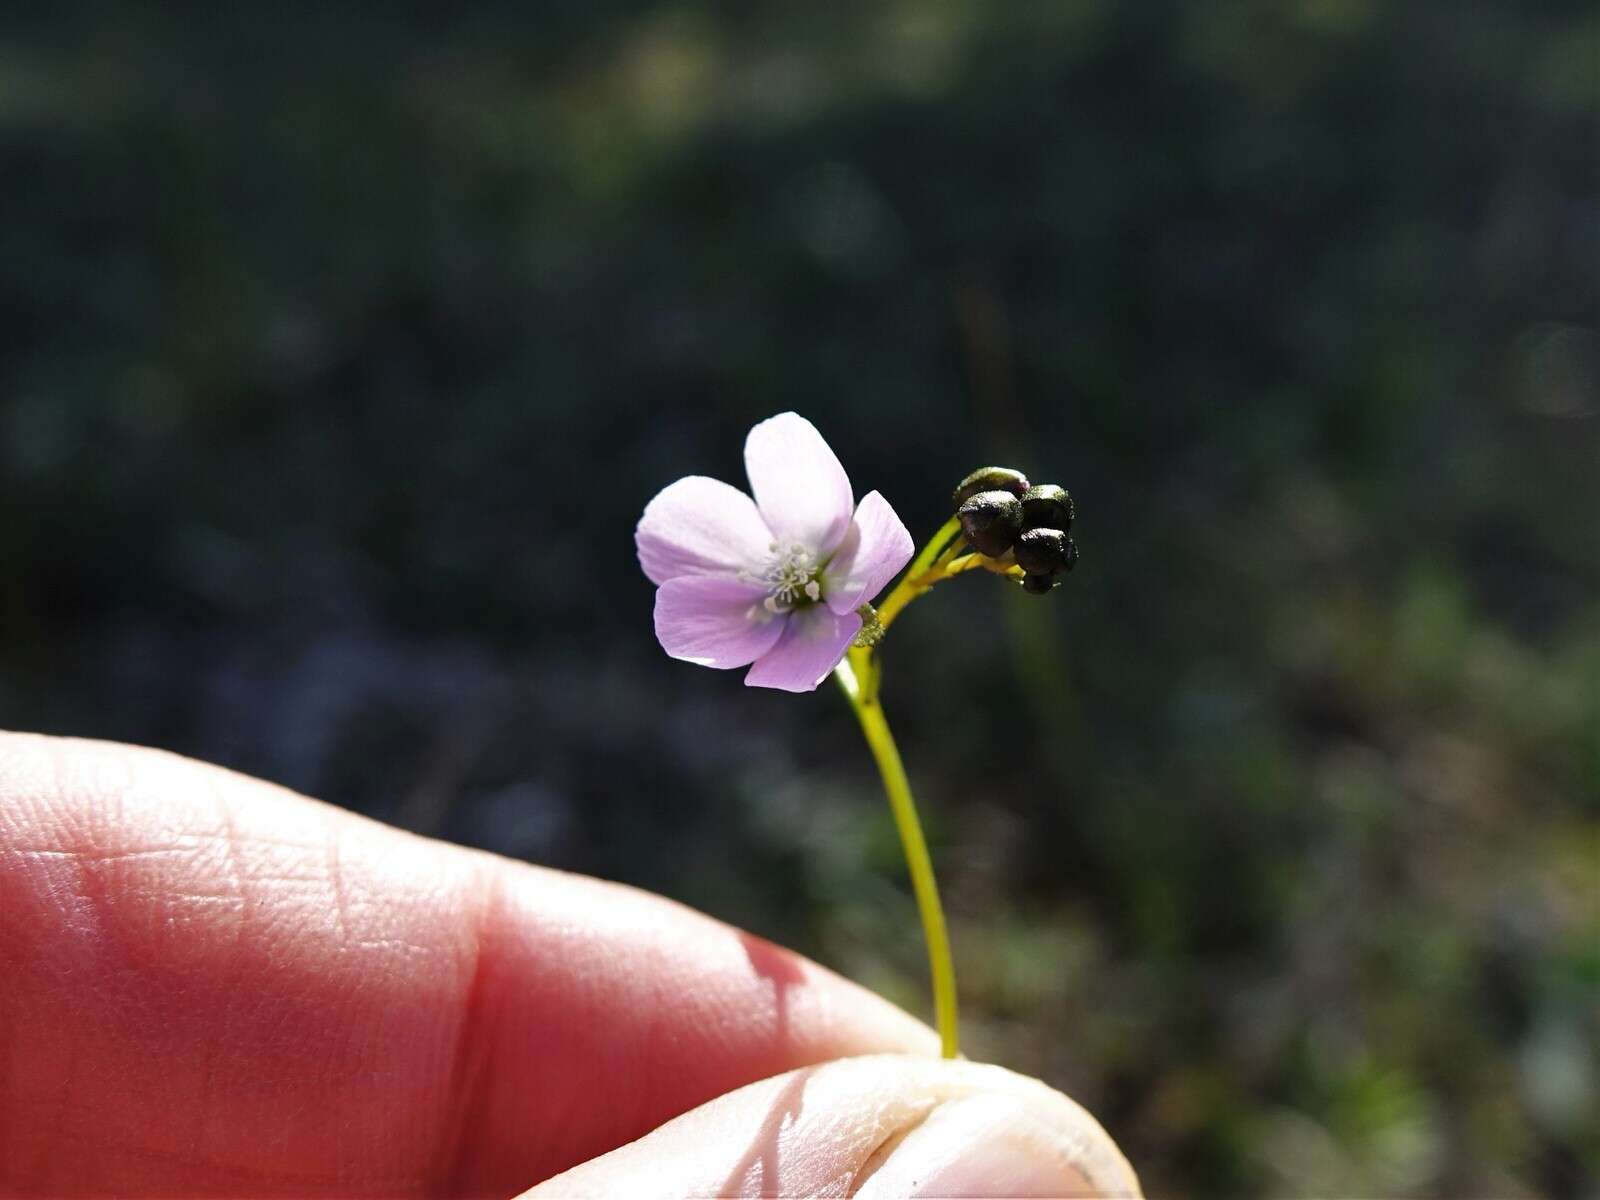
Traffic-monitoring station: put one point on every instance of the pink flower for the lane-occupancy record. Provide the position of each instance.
(774, 581)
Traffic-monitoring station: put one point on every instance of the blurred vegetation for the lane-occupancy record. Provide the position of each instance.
(341, 346)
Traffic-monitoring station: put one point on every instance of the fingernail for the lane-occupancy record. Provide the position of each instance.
(982, 1145)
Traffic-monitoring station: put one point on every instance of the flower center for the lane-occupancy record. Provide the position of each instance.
(790, 577)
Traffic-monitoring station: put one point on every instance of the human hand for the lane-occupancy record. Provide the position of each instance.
(210, 986)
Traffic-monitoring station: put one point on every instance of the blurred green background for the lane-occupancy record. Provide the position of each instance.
(342, 345)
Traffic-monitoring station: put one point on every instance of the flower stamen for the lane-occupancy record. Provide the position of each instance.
(790, 577)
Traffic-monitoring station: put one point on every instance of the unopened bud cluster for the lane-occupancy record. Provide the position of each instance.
(1001, 514)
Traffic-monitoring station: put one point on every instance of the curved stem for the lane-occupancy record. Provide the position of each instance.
(927, 569)
(857, 675)
(931, 549)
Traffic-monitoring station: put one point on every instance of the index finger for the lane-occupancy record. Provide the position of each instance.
(209, 984)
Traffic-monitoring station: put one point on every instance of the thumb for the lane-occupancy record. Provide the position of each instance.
(884, 1126)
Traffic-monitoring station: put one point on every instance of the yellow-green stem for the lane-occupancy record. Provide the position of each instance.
(924, 572)
(857, 676)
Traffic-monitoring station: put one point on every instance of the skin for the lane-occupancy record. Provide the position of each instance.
(212, 986)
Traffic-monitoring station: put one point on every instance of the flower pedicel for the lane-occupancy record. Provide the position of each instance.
(783, 584)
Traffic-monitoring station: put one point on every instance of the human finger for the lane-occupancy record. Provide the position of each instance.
(209, 984)
(873, 1128)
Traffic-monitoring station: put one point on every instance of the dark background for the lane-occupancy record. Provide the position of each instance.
(341, 347)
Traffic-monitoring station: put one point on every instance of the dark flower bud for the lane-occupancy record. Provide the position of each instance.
(1043, 551)
(990, 521)
(1037, 585)
(989, 479)
(1046, 506)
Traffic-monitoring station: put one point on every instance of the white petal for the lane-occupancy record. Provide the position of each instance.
(701, 526)
(799, 485)
(813, 642)
(714, 622)
(873, 552)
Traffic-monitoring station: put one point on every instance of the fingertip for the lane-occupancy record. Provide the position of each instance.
(877, 1126)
